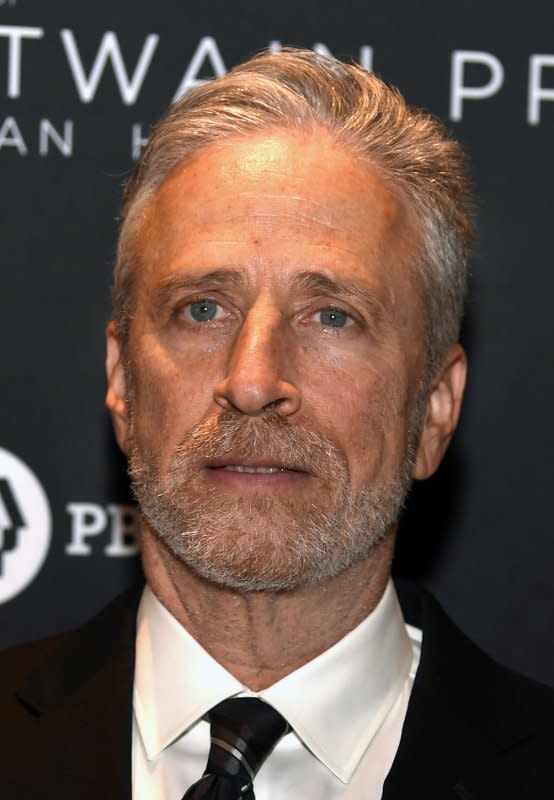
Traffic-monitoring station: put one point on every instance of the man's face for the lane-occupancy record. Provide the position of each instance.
(274, 361)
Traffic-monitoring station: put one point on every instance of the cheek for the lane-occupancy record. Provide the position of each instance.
(373, 391)
(170, 396)
(365, 407)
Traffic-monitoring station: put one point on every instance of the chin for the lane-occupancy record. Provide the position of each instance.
(256, 556)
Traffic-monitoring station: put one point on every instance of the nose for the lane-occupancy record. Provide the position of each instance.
(259, 363)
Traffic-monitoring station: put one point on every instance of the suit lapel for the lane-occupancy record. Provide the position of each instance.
(461, 727)
(461, 721)
(81, 697)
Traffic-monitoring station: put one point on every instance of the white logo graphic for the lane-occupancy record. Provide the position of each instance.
(25, 526)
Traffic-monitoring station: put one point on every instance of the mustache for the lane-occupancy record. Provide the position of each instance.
(268, 436)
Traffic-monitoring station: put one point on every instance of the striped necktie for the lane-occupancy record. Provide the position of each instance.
(244, 731)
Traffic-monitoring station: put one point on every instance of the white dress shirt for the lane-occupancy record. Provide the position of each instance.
(346, 708)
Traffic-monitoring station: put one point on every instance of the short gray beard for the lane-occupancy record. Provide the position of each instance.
(260, 542)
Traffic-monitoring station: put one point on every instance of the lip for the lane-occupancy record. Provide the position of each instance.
(282, 475)
(236, 461)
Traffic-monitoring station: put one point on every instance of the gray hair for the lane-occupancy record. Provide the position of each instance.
(298, 90)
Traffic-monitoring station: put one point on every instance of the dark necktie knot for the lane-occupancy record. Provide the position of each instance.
(243, 731)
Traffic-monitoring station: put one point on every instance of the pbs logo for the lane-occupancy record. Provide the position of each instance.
(25, 526)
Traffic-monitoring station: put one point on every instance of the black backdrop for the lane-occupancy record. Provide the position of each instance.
(79, 86)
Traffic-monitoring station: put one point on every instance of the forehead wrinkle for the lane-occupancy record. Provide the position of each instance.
(322, 208)
(267, 219)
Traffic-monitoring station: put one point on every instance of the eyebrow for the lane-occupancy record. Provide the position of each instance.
(214, 279)
(307, 282)
(313, 282)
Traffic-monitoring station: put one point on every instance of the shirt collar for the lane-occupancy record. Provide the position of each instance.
(335, 703)
(176, 680)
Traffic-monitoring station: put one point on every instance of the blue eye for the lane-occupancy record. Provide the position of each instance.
(333, 318)
(203, 310)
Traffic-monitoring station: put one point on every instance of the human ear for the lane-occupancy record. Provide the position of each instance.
(443, 412)
(116, 395)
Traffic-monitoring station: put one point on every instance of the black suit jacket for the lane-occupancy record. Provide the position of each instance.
(473, 730)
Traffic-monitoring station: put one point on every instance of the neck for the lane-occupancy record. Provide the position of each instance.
(260, 637)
